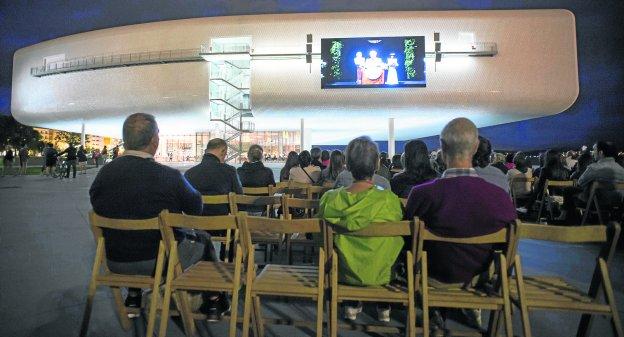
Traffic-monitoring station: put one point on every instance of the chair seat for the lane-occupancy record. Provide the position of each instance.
(287, 281)
(206, 275)
(556, 293)
(390, 292)
(462, 298)
(121, 280)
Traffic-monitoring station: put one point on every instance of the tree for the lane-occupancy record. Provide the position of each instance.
(16, 134)
(66, 137)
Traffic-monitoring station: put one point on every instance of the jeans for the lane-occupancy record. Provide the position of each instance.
(71, 164)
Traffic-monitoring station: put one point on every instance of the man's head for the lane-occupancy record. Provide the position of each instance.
(604, 149)
(362, 158)
(218, 148)
(140, 133)
(482, 157)
(315, 152)
(254, 153)
(459, 140)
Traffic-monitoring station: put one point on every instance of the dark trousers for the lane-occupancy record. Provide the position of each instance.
(71, 164)
(571, 199)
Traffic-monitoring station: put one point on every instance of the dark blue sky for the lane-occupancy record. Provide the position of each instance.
(598, 112)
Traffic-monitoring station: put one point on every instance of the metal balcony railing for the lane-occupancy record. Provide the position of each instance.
(117, 60)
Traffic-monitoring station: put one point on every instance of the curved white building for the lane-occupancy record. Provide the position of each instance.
(534, 73)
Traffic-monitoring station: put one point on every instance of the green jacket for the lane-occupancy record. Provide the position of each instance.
(363, 261)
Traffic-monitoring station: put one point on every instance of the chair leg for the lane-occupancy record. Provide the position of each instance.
(121, 309)
(610, 297)
(164, 313)
(247, 311)
(506, 297)
(84, 328)
(258, 314)
(234, 313)
(151, 321)
(524, 310)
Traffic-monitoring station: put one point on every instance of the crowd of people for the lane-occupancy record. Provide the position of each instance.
(459, 191)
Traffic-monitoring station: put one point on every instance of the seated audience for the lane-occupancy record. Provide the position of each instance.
(291, 161)
(509, 161)
(336, 165)
(538, 170)
(581, 164)
(305, 172)
(396, 165)
(521, 170)
(571, 159)
(325, 158)
(315, 152)
(553, 169)
(605, 170)
(437, 163)
(134, 186)
(417, 169)
(383, 170)
(363, 261)
(460, 204)
(498, 161)
(481, 164)
(253, 173)
(383, 159)
(345, 179)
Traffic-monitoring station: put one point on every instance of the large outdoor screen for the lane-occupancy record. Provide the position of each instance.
(373, 62)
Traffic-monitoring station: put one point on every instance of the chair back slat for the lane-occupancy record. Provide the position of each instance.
(257, 200)
(207, 223)
(378, 229)
(559, 183)
(215, 199)
(123, 224)
(576, 234)
(497, 237)
(256, 190)
(285, 226)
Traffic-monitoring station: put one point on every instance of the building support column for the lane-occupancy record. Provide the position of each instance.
(83, 136)
(302, 141)
(390, 137)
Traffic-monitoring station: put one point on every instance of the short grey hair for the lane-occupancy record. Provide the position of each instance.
(459, 139)
(362, 157)
(138, 130)
(255, 153)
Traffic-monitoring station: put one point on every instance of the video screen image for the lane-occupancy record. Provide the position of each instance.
(375, 62)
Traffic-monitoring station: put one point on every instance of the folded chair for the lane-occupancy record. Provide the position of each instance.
(594, 192)
(230, 235)
(555, 293)
(389, 293)
(496, 299)
(102, 276)
(203, 275)
(280, 280)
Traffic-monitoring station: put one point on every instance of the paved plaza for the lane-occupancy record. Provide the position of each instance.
(47, 249)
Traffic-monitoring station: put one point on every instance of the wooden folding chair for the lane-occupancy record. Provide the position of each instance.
(594, 190)
(316, 192)
(547, 198)
(519, 181)
(389, 293)
(102, 276)
(280, 280)
(203, 275)
(555, 293)
(256, 190)
(230, 235)
(496, 299)
(270, 203)
(310, 207)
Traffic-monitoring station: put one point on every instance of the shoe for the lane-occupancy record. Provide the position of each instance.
(133, 300)
(522, 210)
(383, 312)
(214, 309)
(472, 318)
(351, 312)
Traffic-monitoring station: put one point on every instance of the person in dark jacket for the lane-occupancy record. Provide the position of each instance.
(71, 159)
(253, 173)
(82, 160)
(291, 161)
(214, 177)
(134, 186)
(417, 169)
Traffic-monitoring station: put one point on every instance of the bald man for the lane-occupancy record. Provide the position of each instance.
(460, 204)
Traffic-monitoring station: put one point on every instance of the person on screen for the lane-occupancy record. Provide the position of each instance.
(373, 69)
(359, 61)
(392, 63)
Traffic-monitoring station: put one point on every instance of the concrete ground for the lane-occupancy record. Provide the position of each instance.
(47, 249)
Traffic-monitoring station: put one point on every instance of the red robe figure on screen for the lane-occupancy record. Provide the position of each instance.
(373, 69)
(359, 61)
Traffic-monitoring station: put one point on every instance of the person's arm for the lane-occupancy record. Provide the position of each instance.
(190, 198)
(236, 184)
(587, 177)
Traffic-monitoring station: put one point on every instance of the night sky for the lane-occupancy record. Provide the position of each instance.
(597, 113)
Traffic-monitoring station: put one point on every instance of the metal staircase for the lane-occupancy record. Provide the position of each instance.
(229, 91)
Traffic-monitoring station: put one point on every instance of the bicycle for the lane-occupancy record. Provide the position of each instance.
(60, 169)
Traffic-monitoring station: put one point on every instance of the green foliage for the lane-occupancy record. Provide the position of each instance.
(336, 53)
(409, 44)
(66, 137)
(14, 134)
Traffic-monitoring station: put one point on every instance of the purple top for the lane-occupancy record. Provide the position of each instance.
(461, 206)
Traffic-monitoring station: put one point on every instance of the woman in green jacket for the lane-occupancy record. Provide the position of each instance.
(363, 261)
